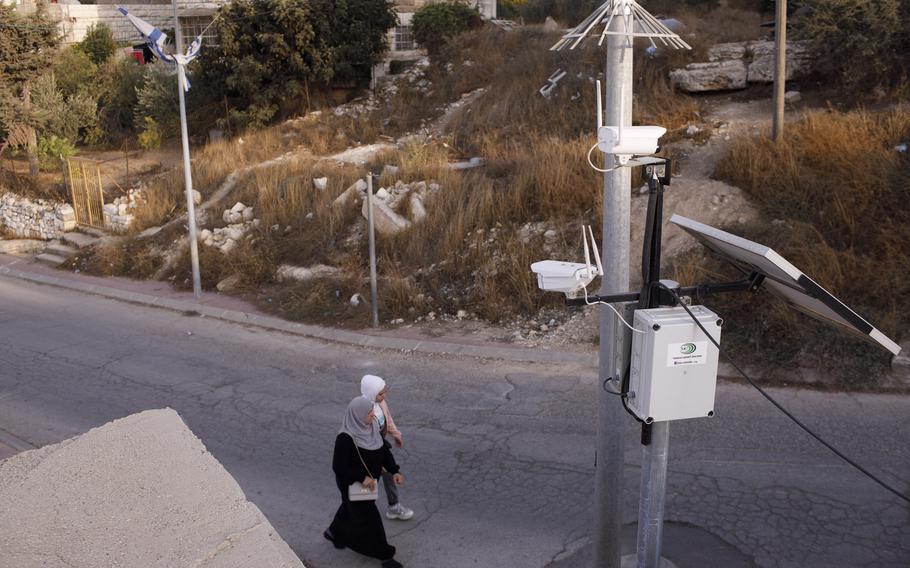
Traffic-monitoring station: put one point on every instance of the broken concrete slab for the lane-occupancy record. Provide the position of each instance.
(139, 491)
(418, 211)
(385, 219)
(353, 191)
(712, 76)
(761, 69)
(305, 273)
(362, 154)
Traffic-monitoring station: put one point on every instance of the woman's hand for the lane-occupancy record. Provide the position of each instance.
(398, 479)
(399, 441)
(369, 483)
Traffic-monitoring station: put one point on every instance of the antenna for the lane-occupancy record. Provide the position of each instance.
(600, 106)
(584, 240)
(600, 266)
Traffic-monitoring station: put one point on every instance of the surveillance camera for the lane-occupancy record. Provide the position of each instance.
(570, 278)
(566, 277)
(629, 140)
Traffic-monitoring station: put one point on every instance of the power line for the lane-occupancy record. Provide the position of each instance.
(786, 413)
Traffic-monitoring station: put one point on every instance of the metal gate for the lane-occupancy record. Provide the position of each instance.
(84, 180)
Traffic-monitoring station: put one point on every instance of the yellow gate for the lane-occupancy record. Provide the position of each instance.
(84, 180)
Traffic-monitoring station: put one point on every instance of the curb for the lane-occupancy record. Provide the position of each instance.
(311, 331)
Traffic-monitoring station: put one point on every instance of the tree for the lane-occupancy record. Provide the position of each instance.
(27, 47)
(98, 43)
(270, 52)
(434, 24)
(860, 44)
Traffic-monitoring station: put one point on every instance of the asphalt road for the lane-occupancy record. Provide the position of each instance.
(498, 457)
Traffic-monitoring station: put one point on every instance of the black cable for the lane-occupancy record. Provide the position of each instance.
(795, 420)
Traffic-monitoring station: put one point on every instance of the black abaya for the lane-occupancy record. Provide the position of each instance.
(357, 524)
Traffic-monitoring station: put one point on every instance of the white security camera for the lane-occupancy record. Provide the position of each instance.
(623, 142)
(570, 278)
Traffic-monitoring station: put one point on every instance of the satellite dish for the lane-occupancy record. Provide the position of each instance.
(784, 280)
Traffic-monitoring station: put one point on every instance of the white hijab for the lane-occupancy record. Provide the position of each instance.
(365, 435)
(371, 386)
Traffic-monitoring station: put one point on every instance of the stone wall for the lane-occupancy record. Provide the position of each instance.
(732, 66)
(75, 19)
(39, 219)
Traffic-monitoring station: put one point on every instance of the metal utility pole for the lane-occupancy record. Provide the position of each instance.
(187, 174)
(780, 68)
(614, 340)
(374, 292)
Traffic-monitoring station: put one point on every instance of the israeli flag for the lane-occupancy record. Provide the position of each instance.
(156, 39)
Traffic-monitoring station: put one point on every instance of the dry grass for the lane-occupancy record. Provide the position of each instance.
(838, 192)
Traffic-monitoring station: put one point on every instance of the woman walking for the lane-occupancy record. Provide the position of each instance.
(374, 388)
(360, 456)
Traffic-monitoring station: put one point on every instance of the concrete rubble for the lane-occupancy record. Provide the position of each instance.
(118, 214)
(240, 220)
(138, 491)
(733, 66)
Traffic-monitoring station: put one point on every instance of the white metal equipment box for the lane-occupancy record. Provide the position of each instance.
(673, 373)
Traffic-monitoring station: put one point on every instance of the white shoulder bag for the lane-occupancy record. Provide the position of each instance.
(356, 491)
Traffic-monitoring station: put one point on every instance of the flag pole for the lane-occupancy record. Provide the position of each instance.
(187, 174)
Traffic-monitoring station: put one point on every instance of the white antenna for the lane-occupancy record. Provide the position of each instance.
(600, 107)
(600, 266)
(584, 240)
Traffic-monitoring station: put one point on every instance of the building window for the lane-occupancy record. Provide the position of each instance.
(192, 26)
(404, 38)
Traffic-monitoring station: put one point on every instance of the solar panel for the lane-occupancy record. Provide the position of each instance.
(783, 280)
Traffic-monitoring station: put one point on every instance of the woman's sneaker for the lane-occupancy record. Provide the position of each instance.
(392, 563)
(397, 511)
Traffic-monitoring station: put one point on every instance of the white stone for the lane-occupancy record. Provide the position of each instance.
(461, 314)
(111, 209)
(713, 76)
(355, 189)
(792, 97)
(304, 274)
(321, 183)
(238, 207)
(235, 217)
(197, 197)
(382, 194)
(385, 219)
(229, 283)
(355, 300)
(228, 246)
(247, 214)
(418, 211)
(205, 234)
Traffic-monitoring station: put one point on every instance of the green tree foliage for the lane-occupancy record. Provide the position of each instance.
(434, 24)
(27, 47)
(157, 99)
(99, 43)
(75, 72)
(859, 43)
(52, 149)
(269, 53)
(118, 87)
(60, 115)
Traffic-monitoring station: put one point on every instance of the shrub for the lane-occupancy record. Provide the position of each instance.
(270, 53)
(118, 88)
(99, 43)
(51, 150)
(858, 43)
(434, 24)
(75, 72)
(157, 99)
(150, 137)
(838, 191)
